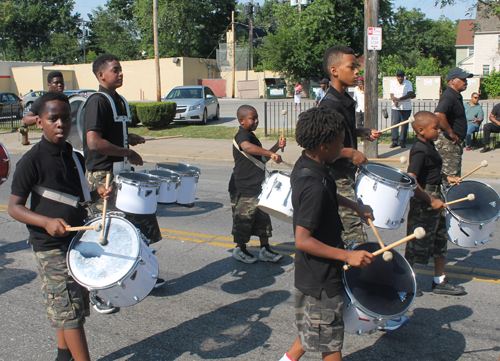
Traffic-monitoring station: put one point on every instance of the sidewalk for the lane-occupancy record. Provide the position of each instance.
(187, 150)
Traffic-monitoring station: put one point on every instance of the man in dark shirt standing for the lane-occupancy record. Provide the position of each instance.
(453, 122)
(492, 127)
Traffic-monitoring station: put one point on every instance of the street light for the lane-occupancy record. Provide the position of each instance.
(250, 9)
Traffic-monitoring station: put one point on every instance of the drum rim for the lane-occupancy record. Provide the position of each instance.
(357, 304)
(193, 173)
(176, 178)
(280, 172)
(412, 185)
(155, 183)
(129, 272)
(7, 160)
(465, 220)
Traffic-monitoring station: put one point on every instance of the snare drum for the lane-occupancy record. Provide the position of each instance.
(471, 222)
(378, 292)
(387, 190)
(276, 196)
(4, 164)
(137, 192)
(170, 183)
(189, 180)
(121, 273)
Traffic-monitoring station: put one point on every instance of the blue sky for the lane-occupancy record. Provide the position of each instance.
(427, 6)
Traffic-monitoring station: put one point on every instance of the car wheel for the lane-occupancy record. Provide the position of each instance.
(217, 113)
(204, 119)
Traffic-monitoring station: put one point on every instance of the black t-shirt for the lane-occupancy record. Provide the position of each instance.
(247, 177)
(315, 206)
(425, 163)
(451, 104)
(35, 106)
(49, 166)
(98, 115)
(343, 168)
(496, 111)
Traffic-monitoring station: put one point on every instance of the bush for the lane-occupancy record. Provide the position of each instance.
(490, 85)
(133, 114)
(157, 115)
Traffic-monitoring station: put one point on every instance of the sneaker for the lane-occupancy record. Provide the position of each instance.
(403, 145)
(160, 282)
(393, 145)
(241, 254)
(102, 308)
(394, 324)
(447, 288)
(485, 149)
(419, 293)
(467, 148)
(266, 255)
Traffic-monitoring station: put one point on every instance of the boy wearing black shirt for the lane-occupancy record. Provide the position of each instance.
(246, 185)
(426, 166)
(318, 229)
(49, 171)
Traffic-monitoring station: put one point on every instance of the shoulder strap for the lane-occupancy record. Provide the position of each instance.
(258, 163)
(85, 187)
(306, 172)
(331, 97)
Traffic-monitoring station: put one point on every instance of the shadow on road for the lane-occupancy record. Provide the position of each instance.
(176, 210)
(11, 278)
(225, 333)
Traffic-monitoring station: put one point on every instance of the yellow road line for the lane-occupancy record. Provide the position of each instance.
(3, 210)
(3, 205)
(459, 275)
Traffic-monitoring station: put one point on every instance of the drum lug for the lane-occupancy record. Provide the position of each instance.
(375, 186)
(139, 190)
(455, 240)
(360, 332)
(492, 234)
(136, 298)
(403, 219)
(141, 261)
(397, 190)
(168, 185)
(120, 283)
(119, 186)
(197, 178)
(395, 223)
(154, 276)
(388, 220)
(475, 242)
(481, 226)
(485, 240)
(157, 190)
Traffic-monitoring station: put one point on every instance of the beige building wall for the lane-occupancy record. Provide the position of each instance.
(7, 80)
(27, 78)
(242, 75)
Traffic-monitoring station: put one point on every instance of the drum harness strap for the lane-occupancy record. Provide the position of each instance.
(66, 198)
(258, 163)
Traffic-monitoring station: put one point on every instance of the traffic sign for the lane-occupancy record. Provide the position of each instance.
(374, 39)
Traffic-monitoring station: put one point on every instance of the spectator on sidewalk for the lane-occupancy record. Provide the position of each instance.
(401, 93)
(320, 94)
(475, 115)
(493, 127)
(297, 91)
(359, 97)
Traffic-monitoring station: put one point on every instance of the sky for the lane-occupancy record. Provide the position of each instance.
(455, 12)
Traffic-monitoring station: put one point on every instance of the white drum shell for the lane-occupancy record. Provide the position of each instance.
(477, 233)
(357, 321)
(134, 285)
(186, 193)
(170, 185)
(276, 196)
(137, 198)
(389, 203)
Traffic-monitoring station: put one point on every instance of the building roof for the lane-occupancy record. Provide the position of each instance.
(487, 22)
(465, 34)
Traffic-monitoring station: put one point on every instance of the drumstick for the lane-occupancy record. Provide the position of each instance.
(411, 120)
(470, 197)
(418, 233)
(166, 137)
(387, 255)
(484, 163)
(96, 227)
(102, 239)
(402, 159)
(283, 112)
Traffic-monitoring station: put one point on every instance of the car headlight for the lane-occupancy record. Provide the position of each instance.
(195, 107)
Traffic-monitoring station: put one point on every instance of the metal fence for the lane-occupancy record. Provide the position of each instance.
(9, 120)
(275, 122)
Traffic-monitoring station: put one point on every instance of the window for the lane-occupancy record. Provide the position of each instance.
(471, 51)
(486, 70)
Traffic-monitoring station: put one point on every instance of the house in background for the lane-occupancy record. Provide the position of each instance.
(478, 45)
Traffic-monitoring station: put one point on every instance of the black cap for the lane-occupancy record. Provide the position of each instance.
(458, 73)
(400, 73)
(324, 81)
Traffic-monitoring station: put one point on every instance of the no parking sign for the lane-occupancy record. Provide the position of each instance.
(374, 39)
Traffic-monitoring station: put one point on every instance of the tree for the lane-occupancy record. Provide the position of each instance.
(488, 7)
(8, 16)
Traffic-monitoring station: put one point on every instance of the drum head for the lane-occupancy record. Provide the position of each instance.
(381, 288)
(138, 177)
(165, 174)
(386, 172)
(4, 164)
(484, 208)
(97, 266)
(76, 135)
(181, 168)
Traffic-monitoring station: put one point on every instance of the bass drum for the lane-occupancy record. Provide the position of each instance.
(76, 103)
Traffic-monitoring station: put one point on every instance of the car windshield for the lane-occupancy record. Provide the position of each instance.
(185, 93)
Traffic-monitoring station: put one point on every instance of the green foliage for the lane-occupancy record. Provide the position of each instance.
(133, 114)
(490, 85)
(156, 115)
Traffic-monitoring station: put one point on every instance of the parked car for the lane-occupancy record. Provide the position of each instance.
(29, 99)
(11, 105)
(82, 92)
(195, 103)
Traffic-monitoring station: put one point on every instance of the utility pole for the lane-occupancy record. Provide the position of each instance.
(233, 50)
(370, 149)
(84, 32)
(250, 37)
(157, 55)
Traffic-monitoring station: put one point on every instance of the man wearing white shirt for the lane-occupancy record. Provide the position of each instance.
(359, 97)
(320, 94)
(401, 93)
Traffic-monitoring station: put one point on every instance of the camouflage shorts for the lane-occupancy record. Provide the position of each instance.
(451, 154)
(354, 229)
(434, 244)
(248, 220)
(319, 322)
(66, 301)
(146, 223)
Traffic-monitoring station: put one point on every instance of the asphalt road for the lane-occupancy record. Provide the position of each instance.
(215, 308)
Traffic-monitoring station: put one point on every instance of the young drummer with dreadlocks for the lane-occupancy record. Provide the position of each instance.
(317, 227)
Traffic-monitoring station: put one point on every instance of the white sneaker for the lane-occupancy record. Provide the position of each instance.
(266, 255)
(243, 255)
(394, 324)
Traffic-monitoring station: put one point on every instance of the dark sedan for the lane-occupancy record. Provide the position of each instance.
(11, 106)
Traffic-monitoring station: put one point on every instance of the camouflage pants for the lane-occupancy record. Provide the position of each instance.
(434, 244)
(146, 223)
(451, 154)
(354, 229)
(66, 301)
(319, 322)
(248, 220)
